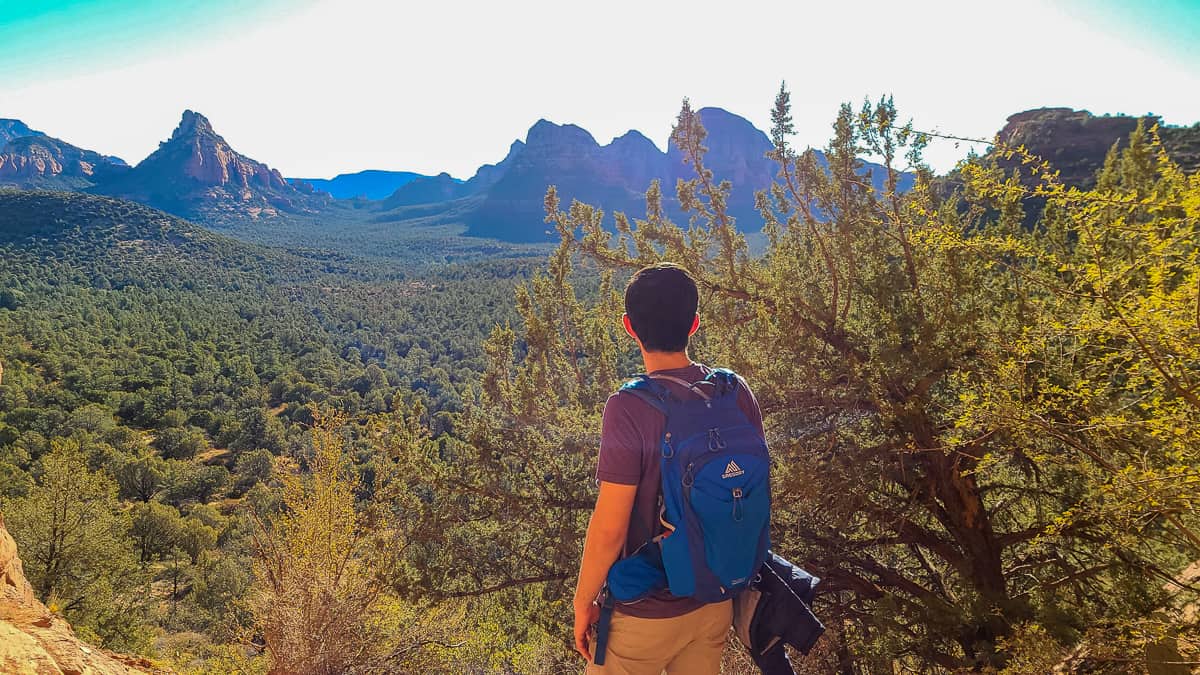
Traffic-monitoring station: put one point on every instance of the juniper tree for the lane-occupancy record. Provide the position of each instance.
(982, 431)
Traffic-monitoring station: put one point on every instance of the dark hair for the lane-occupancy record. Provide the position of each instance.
(661, 302)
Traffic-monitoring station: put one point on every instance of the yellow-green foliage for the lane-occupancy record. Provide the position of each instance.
(325, 600)
(314, 596)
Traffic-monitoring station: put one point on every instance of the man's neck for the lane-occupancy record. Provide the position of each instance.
(656, 361)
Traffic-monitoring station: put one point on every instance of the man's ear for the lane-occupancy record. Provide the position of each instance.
(628, 326)
(695, 326)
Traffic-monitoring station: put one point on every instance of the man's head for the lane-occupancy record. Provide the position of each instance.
(660, 307)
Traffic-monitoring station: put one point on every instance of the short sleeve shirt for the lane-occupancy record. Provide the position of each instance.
(629, 455)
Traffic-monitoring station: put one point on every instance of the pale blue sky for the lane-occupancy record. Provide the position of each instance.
(316, 88)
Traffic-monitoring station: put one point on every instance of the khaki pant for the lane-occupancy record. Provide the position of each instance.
(683, 645)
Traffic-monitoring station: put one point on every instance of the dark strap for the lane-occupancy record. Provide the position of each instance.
(659, 397)
(647, 382)
(690, 385)
(603, 626)
(654, 401)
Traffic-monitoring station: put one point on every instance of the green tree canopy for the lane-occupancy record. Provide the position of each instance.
(141, 478)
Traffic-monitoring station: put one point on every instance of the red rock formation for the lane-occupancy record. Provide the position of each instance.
(195, 173)
(37, 161)
(1075, 142)
(210, 161)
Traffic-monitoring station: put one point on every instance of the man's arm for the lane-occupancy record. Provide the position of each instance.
(605, 538)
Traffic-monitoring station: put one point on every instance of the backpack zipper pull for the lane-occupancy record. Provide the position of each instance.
(715, 442)
(688, 480)
(738, 512)
(667, 450)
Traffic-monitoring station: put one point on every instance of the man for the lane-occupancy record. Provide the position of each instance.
(661, 632)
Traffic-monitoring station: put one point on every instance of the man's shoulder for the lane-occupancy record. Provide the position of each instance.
(741, 382)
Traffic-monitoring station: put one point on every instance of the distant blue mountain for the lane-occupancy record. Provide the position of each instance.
(370, 184)
(443, 189)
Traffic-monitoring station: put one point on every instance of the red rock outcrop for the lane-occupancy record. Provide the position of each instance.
(38, 161)
(1075, 142)
(196, 174)
(207, 159)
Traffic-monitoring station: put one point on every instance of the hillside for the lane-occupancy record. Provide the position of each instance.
(130, 243)
(58, 241)
(10, 129)
(79, 222)
(44, 162)
(177, 369)
(31, 159)
(429, 190)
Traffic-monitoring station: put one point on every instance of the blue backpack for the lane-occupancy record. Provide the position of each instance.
(716, 496)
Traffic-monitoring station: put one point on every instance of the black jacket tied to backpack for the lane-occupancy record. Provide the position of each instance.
(777, 610)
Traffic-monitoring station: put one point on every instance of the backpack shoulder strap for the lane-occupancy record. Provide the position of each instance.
(725, 381)
(649, 391)
(679, 380)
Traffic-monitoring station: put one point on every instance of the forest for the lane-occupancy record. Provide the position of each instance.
(158, 377)
(980, 391)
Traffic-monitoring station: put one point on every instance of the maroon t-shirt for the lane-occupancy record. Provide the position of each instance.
(630, 453)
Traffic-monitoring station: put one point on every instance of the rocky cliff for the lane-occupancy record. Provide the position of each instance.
(195, 173)
(33, 641)
(31, 159)
(566, 156)
(1075, 141)
(39, 161)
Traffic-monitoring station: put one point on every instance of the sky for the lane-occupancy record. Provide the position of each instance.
(316, 88)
